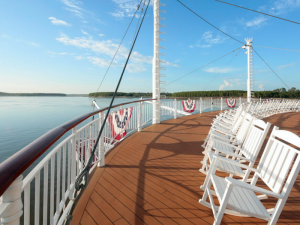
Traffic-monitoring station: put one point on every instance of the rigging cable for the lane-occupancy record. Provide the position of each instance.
(84, 173)
(270, 68)
(223, 68)
(210, 23)
(202, 66)
(258, 12)
(277, 48)
(138, 7)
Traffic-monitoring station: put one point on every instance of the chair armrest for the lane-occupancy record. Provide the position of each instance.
(245, 185)
(234, 162)
(232, 154)
(225, 141)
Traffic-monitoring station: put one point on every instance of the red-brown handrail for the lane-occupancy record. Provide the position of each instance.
(15, 165)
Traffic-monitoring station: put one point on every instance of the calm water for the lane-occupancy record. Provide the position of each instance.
(24, 119)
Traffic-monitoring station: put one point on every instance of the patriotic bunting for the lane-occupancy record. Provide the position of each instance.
(118, 122)
(189, 105)
(231, 102)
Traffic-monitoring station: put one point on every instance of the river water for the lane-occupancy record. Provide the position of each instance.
(24, 119)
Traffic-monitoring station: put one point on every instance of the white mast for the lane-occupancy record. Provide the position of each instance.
(250, 81)
(156, 64)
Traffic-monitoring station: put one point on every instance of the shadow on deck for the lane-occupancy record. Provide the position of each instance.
(153, 177)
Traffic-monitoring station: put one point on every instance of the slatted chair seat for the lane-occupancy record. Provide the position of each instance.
(241, 199)
(227, 167)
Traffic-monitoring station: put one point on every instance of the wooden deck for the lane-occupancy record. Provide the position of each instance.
(153, 177)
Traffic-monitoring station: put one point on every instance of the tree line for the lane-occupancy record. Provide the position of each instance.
(277, 93)
(124, 94)
(31, 94)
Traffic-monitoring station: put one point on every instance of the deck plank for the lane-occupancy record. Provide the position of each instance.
(153, 177)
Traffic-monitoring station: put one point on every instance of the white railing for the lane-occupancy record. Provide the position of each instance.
(48, 188)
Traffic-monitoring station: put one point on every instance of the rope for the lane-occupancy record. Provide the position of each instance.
(119, 45)
(259, 12)
(202, 66)
(270, 68)
(84, 173)
(223, 68)
(210, 23)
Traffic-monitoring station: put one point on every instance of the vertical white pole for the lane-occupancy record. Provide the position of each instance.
(249, 49)
(240, 100)
(73, 163)
(175, 108)
(101, 149)
(221, 103)
(211, 104)
(200, 105)
(156, 66)
(11, 203)
(140, 118)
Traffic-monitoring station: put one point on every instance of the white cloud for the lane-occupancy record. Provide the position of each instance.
(208, 40)
(101, 35)
(78, 57)
(287, 65)
(219, 70)
(125, 8)
(6, 36)
(226, 84)
(59, 22)
(261, 87)
(256, 22)
(283, 6)
(84, 32)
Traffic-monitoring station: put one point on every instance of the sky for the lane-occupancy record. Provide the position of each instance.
(65, 46)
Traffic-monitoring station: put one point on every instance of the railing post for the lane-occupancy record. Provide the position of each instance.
(140, 117)
(221, 103)
(11, 203)
(73, 160)
(260, 99)
(175, 108)
(240, 100)
(200, 105)
(211, 104)
(101, 149)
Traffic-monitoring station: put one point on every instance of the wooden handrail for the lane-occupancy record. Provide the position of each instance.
(15, 165)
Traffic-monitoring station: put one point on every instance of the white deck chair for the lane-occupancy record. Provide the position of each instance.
(247, 153)
(236, 141)
(278, 169)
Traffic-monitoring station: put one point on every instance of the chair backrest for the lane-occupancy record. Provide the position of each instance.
(245, 125)
(279, 159)
(255, 138)
(238, 122)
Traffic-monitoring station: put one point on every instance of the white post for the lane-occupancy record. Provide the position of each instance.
(200, 105)
(260, 99)
(73, 159)
(11, 203)
(175, 108)
(249, 58)
(156, 66)
(211, 104)
(140, 117)
(240, 100)
(221, 103)
(101, 149)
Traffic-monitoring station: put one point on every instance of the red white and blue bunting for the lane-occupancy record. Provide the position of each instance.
(189, 105)
(231, 102)
(118, 122)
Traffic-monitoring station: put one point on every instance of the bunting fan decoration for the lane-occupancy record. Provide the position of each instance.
(231, 102)
(189, 105)
(118, 122)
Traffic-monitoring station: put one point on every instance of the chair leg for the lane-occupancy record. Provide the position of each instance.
(223, 204)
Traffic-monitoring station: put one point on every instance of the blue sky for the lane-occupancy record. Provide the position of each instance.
(65, 46)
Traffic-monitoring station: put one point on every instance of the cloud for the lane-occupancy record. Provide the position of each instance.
(219, 70)
(101, 35)
(21, 40)
(59, 22)
(261, 87)
(125, 8)
(5, 36)
(226, 84)
(256, 22)
(287, 65)
(209, 40)
(106, 49)
(78, 57)
(75, 7)
(84, 32)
